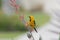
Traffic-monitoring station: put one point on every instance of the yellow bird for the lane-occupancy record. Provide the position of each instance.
(32, 23)
(29, 25)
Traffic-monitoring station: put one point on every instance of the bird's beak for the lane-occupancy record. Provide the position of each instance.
(29, 16)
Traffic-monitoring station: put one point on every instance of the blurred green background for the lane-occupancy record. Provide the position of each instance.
(13, 23)
(11, 26)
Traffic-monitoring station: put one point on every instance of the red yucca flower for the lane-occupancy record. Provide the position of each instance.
(16, 6)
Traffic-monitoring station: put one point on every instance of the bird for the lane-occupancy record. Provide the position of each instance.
(32, 23)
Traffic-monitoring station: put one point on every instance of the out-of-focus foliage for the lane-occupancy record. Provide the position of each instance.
(10, 23)
(13, 23)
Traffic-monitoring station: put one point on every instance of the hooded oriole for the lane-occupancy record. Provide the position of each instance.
(32, 22)
(29, 25)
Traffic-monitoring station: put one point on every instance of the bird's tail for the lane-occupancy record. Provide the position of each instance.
(35, 29)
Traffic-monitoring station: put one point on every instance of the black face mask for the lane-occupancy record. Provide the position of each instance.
(30, 18)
